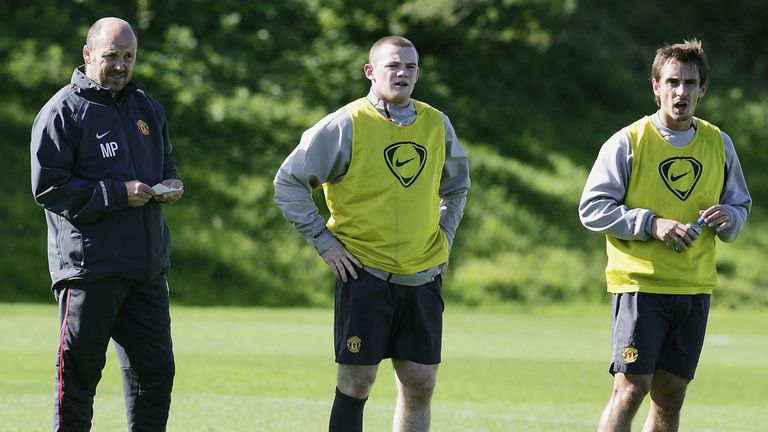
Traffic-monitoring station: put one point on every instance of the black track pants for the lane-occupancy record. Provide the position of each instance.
(135, 315)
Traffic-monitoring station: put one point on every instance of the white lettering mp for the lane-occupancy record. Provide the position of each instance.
(108, 149)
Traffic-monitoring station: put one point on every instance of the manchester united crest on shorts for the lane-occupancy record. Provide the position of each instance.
(353, 344)
(629, 354)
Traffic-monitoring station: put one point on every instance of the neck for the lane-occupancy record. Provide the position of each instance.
(388, 102)
(678, 125)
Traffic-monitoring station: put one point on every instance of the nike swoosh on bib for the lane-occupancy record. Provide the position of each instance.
(399, 163)
(678, 177)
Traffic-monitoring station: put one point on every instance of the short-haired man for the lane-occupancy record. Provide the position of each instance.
(395, 179)
(97, 149)
(650, 180)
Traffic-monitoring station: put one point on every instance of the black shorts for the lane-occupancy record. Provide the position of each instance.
(658, 331)
(376, 319)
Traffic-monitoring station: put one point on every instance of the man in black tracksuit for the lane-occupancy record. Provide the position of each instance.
(102, 164)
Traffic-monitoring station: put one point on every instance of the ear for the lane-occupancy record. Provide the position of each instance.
(86, 54)
(655, 85)
(702, 91)
(368, 70)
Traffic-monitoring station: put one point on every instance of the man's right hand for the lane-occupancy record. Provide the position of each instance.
(341, 261)
(138, 193)
(675, 234)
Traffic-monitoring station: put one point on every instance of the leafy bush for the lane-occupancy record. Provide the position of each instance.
(533, 89)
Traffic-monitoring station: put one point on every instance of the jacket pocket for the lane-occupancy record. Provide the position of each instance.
(71, 249)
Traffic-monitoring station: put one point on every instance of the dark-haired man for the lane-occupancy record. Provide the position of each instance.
(650, 180)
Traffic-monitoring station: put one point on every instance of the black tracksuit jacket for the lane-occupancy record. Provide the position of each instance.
(85, 144)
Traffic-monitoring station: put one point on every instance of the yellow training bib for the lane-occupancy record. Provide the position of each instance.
(386, 209)
(675, 183)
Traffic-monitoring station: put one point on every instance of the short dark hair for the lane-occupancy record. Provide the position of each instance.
(690, 51)
(389, 40)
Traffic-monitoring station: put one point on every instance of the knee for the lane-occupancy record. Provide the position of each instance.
(630, 394)
(162, 371)
(155, 384)
(357, 385)
(669, 397)
(355, 388)
(420, 388)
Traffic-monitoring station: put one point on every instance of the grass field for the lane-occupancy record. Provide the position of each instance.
(272, 370)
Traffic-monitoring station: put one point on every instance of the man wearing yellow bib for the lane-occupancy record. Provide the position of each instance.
(649, 182)
(395, 179)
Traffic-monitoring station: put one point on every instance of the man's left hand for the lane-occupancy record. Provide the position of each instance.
(173, 196)
(717, 217)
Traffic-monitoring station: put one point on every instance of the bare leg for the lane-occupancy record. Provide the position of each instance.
(356, 381)
(415, 385)
(667, 395)
(628, 393)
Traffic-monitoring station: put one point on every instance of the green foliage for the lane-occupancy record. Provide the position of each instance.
(533, 88)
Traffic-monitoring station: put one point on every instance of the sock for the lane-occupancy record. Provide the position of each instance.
(346, 414)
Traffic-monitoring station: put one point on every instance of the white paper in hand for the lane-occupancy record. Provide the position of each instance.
(161, 189)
